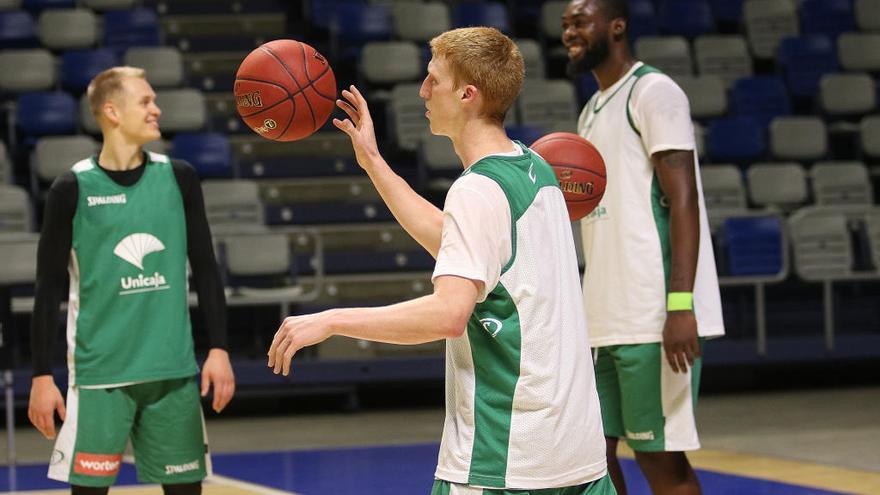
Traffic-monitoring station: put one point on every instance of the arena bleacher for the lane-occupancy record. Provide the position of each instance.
(783, 95)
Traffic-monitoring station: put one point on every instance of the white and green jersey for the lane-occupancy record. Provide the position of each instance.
(128, 317)
(626, 238)
(522, 410)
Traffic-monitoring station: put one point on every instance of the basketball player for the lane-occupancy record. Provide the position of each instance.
(521, 409)
(124, 223)
(650, 285)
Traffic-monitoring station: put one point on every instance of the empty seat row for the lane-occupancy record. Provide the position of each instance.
(56, 112)
(80, 28)
(744, 139)
(784, 186)
(35, 69)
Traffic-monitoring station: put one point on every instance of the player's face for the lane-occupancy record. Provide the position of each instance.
(585, 36)
(441, 97)
(137, 111)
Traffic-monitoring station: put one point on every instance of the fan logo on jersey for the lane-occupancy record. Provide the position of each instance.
(133, 249)
(116, 199)
(492, 325)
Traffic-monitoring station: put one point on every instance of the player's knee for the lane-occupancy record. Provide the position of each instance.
(183, 489)
(89, 490)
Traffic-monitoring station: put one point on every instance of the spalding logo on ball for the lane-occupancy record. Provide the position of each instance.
(285, 90)
(579, 168)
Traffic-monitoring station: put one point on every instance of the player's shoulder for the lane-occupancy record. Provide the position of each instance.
(65, 181)
(182, 166)
(655, 82)
(473, 184)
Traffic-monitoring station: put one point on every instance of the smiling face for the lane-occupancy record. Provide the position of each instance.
(585, 34)
(442, 97)
(135, 110)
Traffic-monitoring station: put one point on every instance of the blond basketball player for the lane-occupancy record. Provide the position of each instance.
(521, 407)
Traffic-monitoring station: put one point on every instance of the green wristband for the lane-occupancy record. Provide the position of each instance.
(680, 301)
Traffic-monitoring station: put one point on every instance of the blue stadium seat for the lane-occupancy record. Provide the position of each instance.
(727, 11)
(357, 24)
(689, 18)
(45, 113)
(38, 5)
(761, 97)
(17, 30)
(586, 85)
(78, 67)
(736, 139)
(526, 134)
(126, 28)
(828, 17)
(208, 152)
(493, 14)
(754, 245)
(804, 60)
(323, 12)
(642, 20)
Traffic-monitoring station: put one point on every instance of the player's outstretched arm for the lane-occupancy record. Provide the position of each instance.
(217, 373)
(441, 315)
(422, 220)
(45, 399)
(676, 172)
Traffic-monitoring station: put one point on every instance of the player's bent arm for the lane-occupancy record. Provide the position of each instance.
(422, 220)
(441, 315)
(677, 175)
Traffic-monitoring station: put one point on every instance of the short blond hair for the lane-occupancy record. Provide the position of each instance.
(486, 58)
(108, 84)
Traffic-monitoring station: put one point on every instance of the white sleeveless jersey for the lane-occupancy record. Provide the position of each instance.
(626, 238)
(522, 411)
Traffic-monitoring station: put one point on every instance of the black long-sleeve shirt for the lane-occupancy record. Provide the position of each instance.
(53, 256)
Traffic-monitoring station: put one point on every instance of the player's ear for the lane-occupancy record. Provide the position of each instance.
(618, 28)
(109, 111)
(469, 92)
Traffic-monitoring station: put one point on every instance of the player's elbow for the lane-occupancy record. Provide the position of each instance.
(453, 323)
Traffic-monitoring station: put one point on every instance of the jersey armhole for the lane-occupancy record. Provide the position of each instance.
(641, 71)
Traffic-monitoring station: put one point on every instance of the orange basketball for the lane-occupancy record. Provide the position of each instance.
(285, 90)
(579, 168)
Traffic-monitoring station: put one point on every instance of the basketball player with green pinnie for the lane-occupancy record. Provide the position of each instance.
(123, 224)
(650, 286)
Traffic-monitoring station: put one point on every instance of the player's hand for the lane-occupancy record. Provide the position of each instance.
(358, 126)
(680, 340)
(217, 371)
(295, 333)
(44, 401)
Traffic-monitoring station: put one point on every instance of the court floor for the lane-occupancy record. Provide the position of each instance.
(798, 443)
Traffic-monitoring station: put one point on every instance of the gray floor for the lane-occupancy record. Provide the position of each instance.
(832, 427)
